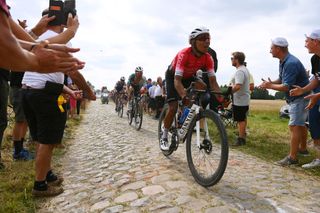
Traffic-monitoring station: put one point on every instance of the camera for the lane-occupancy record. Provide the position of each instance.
(60, 9)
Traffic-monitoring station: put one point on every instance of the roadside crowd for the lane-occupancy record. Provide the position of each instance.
(44, 75)
(43, 68)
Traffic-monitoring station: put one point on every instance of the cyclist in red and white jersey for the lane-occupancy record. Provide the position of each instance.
(182, 72)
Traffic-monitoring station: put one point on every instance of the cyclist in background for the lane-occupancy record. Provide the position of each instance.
(119, 89)
(182, 72)
(135, 82)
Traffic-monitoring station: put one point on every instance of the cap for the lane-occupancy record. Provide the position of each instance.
(279, 41)
(315, 34)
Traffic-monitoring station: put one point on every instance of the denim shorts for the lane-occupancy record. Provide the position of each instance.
(297, 112)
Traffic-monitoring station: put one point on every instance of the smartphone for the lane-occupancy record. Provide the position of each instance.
(56, 9)
(69, 7)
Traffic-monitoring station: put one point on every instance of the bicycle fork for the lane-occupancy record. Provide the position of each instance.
(206, 131)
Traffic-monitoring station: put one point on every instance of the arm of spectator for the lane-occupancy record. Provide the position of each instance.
(69, 33)
(236, 88)
(76, 94)
(41, 27)
(301, 90)
(314, 98)
(79, 80)
(19, 32)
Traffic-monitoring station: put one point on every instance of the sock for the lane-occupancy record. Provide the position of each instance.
(40, 185)
(18, 146)
(165, 133)
(51, 176)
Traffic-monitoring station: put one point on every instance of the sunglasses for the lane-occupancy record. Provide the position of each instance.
(203, 37)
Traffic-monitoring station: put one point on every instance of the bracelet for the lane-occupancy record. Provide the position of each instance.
(33, 35)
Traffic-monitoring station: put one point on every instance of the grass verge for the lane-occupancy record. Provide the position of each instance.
(16, 181)
(269, 139)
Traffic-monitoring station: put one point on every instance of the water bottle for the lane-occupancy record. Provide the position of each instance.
(191, 113)
(184, 115)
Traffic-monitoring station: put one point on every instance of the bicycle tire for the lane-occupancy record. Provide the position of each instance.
(120, 110)
(161, 117)
(138, 116)
(130, 114)
(210, 147)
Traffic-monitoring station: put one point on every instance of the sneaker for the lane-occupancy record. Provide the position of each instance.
(304, 153)
(164, 144)
(287, 161)
(313, 164)
(239, 142)
(51, 191)
(23, 155)
(56, 182)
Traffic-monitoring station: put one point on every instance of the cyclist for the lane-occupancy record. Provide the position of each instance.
(182, 72)
(135, 82)
(119, 89)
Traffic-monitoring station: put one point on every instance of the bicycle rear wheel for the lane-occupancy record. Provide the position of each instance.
(138, 115)
(208, 162)
(172, 134)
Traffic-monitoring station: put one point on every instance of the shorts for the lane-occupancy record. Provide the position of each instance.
(172, 94)
(15, 96)
(297, 112)
(240, 113)
(46, 121)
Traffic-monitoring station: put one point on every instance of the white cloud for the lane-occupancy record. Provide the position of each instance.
(116, 36)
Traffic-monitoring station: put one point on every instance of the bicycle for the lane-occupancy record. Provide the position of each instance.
(207, 149)
(136, 112)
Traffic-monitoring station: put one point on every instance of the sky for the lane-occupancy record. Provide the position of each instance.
(115, 36)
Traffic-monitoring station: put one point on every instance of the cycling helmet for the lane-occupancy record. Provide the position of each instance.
(198, 31)
(139, 69)
(122, 78)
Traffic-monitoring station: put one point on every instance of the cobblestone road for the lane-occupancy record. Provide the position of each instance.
(111, 167)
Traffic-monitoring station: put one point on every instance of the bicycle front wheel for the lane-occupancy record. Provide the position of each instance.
(120, 110)
(208, 161)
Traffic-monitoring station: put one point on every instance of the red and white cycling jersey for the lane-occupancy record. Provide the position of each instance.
(186, 64)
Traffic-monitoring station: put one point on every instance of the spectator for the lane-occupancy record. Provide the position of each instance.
(152, 98)
(291, 72)
(46, 118)
(34, 57)
(20, 126)
(159, 97)
(241, 95)
(312, 43)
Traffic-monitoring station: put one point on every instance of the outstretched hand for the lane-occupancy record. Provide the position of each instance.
(313, 100)
(55, 57)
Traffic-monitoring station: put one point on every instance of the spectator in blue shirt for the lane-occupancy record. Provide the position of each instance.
(291, 72)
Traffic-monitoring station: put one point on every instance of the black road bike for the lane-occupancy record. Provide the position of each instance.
(206, 140)
(136, 113)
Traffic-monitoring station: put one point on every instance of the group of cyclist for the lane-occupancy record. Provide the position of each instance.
(180, 74)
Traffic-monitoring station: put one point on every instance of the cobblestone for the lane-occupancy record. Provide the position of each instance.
(111, 167)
